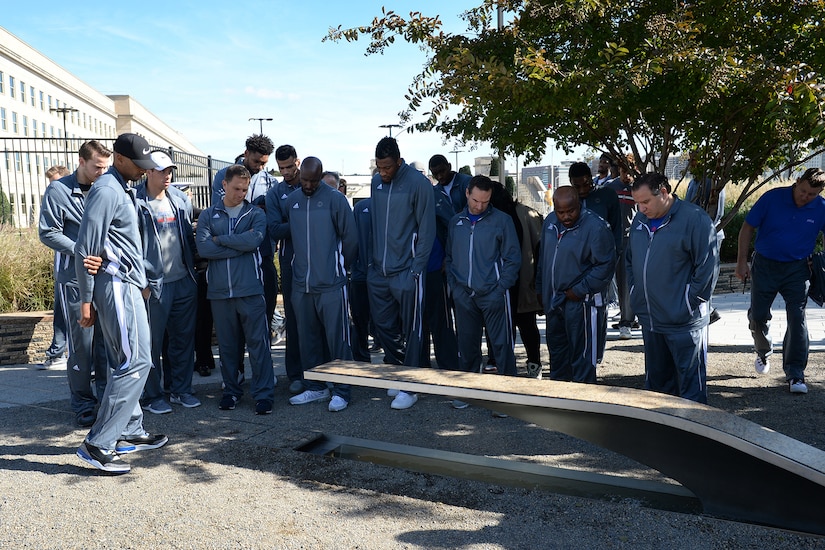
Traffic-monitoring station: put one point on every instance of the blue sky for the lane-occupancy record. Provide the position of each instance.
(206, 67)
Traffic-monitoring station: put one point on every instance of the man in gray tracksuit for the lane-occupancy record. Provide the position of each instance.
(60, 216)
(672, 267)
(277, 220)
(403, 230)
(325, 241)
(577, 259)
(165, 219)
(482, 263)
(228, 235)
(109, 229)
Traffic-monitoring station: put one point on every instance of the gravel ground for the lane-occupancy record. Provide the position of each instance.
(230, 479)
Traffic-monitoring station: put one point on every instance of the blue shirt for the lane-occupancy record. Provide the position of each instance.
(786, 232)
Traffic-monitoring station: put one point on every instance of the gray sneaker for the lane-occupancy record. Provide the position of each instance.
(186, 399)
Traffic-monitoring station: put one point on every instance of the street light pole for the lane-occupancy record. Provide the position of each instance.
(64, 111)
(390, 127)
(261, 121)
(456, 151)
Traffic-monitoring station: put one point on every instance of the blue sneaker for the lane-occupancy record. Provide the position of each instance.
(186, 399)
(158, 406)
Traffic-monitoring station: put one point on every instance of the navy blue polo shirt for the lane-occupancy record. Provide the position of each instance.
(785, 231)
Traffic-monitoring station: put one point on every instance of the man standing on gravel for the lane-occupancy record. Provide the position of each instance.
(109, 229)
(577, 258)
(789, 220)
(672, 267)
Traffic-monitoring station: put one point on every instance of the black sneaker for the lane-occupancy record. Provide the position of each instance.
(86, 419)
(264, 406)
(143, 442)
(108, 461)
(228, 402)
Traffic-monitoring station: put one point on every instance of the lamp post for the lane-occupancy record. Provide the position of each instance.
(456, 151)
(261, 121)
(390, 127)
(64, 111)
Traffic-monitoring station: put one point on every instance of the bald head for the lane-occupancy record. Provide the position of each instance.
(311, 171)
(566, 205)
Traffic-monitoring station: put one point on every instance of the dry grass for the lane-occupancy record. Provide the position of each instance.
(26, 280)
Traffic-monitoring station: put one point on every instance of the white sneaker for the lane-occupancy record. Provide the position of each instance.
(797, 385)
(460, 404)
(392, 393)
(404, 400)
(309, 396)
(337, 403)
(624, 333)
(761, 366)
(53, 363)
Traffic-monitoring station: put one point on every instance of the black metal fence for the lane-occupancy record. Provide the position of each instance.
(24, 162)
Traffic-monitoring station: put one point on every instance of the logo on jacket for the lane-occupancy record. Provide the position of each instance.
(295, 206)
(380, 186)
(283, 196)
(460, 222)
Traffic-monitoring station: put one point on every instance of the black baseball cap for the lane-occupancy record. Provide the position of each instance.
(135, 148)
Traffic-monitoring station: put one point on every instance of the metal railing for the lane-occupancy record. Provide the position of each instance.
(24, 162)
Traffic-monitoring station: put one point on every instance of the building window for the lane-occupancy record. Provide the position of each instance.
(50, 102)
(37, 163)
(42, 101)
(59, 133)
(8, 160)
(31, 95)
(43, 128)
(34, 127)
(11, 86)
(18, 162)
(2, 82)
(25, 125)
(14, 122)
(3, 124)
(51, 131)
(28, 163)
(22, 91)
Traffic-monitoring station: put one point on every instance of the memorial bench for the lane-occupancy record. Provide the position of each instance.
(737, 469)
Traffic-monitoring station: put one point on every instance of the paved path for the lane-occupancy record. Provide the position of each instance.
(25, 384)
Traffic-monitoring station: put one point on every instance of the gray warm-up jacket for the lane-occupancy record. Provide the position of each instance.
(109, 229)
(234, 259)
(581, 258)
(482, 256)
(60, 215)
(324, 239)
(152, 253)
(403, 222)
(673, 270)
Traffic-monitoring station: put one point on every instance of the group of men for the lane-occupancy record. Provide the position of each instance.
(399, 266)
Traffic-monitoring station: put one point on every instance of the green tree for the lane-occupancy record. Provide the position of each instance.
(494, 167)
(6, 215)
(740, 83)
(466, 170)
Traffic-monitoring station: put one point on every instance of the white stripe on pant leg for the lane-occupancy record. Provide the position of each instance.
(345, 314)
(64, 307)
(120, 311)
(419, 306)
(592, 331)
(508, 320)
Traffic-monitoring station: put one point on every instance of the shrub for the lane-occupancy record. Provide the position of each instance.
(26, 279)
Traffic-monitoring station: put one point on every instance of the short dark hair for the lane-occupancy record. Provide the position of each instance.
(236, 171)
(653, 181)
(814, 176)
(285, 152)
(91, 147)
(259, 143)
(578, 169)
(480, 182)
(387, 147)
(438, 160)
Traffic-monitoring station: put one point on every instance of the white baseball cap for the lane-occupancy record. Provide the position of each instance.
(161, 160)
